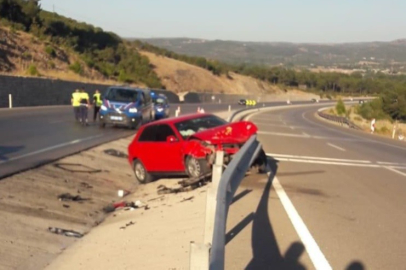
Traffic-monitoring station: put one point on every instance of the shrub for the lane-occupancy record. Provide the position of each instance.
(76, 67)
(32, 70)
(50, 51)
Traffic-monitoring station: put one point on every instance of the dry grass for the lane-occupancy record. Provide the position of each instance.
(180, 77)
(382, 127)
(19, 50)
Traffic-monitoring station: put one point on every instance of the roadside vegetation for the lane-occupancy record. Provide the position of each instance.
(362, 115)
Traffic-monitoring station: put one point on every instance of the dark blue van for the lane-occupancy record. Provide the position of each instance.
(126, 106)
(161, 105)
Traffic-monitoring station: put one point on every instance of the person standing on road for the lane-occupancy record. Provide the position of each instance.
(84, 104)
(97, 102)
(75, 100)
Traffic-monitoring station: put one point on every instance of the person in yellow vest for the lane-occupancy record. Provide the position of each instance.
(97, 102)
(75, 100)
(84, 104)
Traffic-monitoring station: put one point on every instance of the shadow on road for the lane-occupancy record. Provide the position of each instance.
(266, 252)
(6, 150)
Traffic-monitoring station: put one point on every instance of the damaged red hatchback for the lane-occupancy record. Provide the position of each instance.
(187, 145)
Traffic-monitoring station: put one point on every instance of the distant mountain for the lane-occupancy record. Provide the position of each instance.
(344, 55)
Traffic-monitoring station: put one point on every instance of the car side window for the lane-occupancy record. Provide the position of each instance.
(142, 98)
(163, 132)
(149, 134)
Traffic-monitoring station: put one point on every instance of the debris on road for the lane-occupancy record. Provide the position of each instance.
(122, 193)
(187, 184)
(85, 185)
(115, 153)
(123, 204)
(70, 167)
(66, 205)
(69, 197)
(187, 199)
(127, 225)
(69, 233)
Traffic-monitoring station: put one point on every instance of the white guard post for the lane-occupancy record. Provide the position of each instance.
(10, 101)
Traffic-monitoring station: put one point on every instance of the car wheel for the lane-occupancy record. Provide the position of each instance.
(141, 173)
(195, 167)
(261, 162)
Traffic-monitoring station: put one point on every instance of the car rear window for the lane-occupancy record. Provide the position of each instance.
(189, 127)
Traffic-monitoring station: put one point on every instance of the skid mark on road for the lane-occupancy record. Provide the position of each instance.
(317, 257)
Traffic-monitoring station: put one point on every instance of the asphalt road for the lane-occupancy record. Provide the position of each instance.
(337, 200)
(31, 137)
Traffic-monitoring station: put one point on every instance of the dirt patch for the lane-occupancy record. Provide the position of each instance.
(69, 194)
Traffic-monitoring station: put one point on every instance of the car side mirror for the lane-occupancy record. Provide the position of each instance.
(171, 139)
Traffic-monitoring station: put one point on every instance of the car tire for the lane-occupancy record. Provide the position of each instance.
(195, 167)
(261, 162)
(141, 173)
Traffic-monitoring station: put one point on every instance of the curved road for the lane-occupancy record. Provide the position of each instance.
(33, 136)
(338, 198)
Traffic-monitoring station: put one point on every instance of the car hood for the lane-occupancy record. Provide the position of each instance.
(238, 132)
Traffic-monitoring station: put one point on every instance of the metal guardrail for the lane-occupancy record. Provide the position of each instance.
(228, 185)
(339, 119)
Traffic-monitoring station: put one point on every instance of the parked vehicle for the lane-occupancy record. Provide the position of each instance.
(125, 106)
(242, 102)
(186, 145)
(161, 106)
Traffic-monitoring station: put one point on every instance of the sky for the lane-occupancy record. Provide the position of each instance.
(321, 21)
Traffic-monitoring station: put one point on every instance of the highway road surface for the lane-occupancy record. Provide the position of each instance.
(33, 136)
(30, 137)
(337, 200)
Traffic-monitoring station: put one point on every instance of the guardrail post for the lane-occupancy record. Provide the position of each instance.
(200, 253)
(211, 201)
(199, 256)
(229, 108)
(10, 101)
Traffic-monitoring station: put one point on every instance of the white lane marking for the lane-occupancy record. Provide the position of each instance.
(336, 147)
(318, 158)
(318, 259)
(292, 127)
(389, 163)
(307, 135)
(51, 148)
(328, 162)
(304, 136)
(395, 171)
(282, 134)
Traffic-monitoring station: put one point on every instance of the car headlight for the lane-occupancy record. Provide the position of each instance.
(133, 110)
(159, 109)
(103, 108)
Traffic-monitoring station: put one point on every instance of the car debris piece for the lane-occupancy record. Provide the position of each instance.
(188, 199)
(69, 197)
(66, 205)
(115, 153)
(85, 185)
(185, 184)
(123, 204)
(69, 233)
(127, 225)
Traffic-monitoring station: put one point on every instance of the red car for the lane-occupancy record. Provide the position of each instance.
(187, 145)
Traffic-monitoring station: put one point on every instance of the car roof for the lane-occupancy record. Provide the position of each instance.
(178, 119)
(128, 88)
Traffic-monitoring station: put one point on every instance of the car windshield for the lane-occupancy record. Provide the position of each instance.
(122, 95)
(159, 101)
(189, 127)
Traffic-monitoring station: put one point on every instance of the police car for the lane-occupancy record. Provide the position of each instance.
(161, 105)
